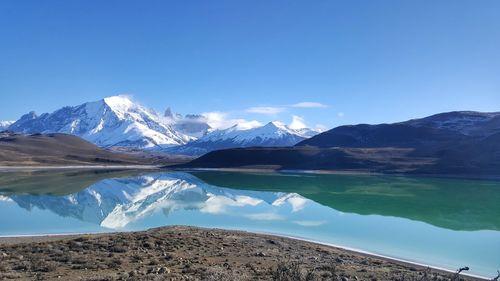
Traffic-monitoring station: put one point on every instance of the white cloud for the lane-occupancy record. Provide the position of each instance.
(218, 204)
(309, 223)
(221, 120)
(309, 104)
(247, 125)
(265, 217)
(340, 114)
(216, 119)
(266, 110)
(296, 201)
(297, 123)
(5, 199)
(321, 127)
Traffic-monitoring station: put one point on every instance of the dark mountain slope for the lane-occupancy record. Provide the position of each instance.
(459, 143)
(384, 135)
(62, 149)
(436, 131)
(390, 160)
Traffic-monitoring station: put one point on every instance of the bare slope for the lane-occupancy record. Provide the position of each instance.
(63, 149)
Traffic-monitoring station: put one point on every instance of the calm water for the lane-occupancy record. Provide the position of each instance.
(440, 222)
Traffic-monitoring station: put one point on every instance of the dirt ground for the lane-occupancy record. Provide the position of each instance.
(189, 253)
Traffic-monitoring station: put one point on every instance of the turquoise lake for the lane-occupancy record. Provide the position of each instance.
(447, 223)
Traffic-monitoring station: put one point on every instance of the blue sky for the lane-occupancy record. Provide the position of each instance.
(365, 61)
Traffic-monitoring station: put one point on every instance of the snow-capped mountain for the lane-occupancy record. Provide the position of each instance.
(192, 124)
(272, 134)
(118, 122)
(116, 203)
(4, 125)
(113, 121)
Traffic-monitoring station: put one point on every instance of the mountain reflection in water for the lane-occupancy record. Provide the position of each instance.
(442, 222)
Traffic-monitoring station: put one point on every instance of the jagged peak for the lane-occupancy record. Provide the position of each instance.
(29, 115)
(168, 113)
(277, 124)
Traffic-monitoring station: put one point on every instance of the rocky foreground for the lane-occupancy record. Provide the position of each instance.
(188, 253)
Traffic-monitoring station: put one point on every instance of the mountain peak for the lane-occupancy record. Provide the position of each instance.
(273, 133)
(120, 101)
(277, 124)
(112, 121)
(168, 113)
(28, 116)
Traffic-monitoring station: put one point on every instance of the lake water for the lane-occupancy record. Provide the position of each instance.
(447, 223)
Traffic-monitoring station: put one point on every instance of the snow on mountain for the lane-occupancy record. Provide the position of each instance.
(272, 134)
(469, 123)
(192, 124)
(116, 203)
(118, 122)
(4, 125)
(113, 121)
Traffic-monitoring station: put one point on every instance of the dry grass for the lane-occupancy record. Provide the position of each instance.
(187, 253)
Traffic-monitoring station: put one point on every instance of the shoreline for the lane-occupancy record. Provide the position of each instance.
(338, 172)
(80, 167)
(269, 170)
(241, 170)
(371, 254)
(13, 240)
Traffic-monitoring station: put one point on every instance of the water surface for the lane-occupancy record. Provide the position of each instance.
(448, 223)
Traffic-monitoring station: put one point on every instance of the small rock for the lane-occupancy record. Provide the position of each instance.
(163, 270)
(344, 278)
(271, 241)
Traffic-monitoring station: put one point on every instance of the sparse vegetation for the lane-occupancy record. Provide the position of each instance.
(187, 253)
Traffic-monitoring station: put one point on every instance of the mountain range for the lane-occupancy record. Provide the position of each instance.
(118, 122)
(270, 135)
(443, 129)
(455, 143)
(112, 121)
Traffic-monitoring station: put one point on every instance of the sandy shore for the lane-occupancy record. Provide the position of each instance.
(189, 253)
(79, 167)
